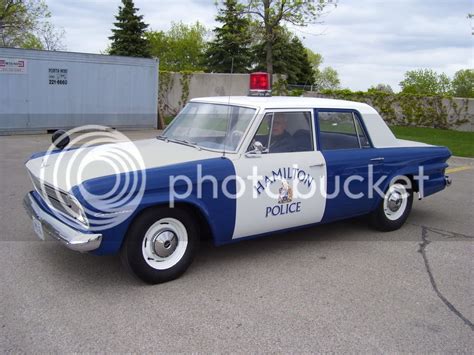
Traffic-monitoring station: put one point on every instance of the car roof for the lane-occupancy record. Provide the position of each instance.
(283, 102)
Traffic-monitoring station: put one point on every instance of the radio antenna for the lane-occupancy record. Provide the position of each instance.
(228, 106)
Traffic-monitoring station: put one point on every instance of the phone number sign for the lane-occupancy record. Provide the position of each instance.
(57, 76)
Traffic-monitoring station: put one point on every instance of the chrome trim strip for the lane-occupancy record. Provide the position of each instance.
(71, 238)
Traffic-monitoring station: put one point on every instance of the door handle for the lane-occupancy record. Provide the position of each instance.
(316, 165)
(378, 159)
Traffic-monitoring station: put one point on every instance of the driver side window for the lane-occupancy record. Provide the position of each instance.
(263, 134)
(284, 132)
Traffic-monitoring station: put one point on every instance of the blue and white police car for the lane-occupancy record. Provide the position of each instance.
(228, 168)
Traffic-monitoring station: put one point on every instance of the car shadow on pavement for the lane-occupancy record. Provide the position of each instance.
(87, 269)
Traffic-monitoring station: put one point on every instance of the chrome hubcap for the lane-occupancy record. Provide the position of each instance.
(165, 243)
(394, 201)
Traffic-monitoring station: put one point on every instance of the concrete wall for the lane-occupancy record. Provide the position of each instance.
(172, 96)
(172, 99)
(469, 126)
(452, 110)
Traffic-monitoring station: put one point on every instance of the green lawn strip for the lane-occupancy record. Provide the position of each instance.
(460, 143)
(341, 127)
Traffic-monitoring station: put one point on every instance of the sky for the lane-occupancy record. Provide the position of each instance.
(366, 41)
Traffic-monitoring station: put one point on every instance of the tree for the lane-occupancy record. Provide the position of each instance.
(128, 37)
(315, 59)
(25, 24)
(231, 48)
(425, 82)
(271, 14)
(290, 58)
(51, 37)
(327, 79)
(181, 48)
(463, 83)
(324, 79)
(304, 71)
(381, 88)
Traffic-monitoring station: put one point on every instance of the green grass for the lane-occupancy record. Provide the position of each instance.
(341, 127)
(460, 143)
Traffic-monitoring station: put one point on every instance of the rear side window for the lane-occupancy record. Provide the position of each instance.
(341, 130)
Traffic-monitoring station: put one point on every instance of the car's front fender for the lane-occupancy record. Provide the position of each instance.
(167, 186)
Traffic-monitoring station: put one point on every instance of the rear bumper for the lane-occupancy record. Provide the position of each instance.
(56, 229)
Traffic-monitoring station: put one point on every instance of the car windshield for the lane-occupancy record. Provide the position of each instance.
(213, 126)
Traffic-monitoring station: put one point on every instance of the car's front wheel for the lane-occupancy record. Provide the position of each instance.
(394, 208)
(160, 244)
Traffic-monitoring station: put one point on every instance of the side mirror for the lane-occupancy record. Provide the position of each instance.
(60, 139)
(258, 149)
(258, 146)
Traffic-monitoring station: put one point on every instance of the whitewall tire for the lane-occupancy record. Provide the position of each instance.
(394, 209)
(160, 244)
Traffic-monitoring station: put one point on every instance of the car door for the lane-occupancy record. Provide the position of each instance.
(281, 173)
(353, 165)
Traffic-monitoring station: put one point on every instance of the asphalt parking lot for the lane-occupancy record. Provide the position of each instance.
(339, 287)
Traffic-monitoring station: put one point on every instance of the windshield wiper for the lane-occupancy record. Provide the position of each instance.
(192, 144)
(183, 141)
(162, 138)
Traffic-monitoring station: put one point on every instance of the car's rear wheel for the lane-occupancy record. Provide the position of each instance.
(394, 209)
(160, 244)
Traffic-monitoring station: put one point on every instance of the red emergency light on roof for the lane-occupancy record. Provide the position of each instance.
(260, 84)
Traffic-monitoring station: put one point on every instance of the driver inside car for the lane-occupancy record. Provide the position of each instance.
(281, 139)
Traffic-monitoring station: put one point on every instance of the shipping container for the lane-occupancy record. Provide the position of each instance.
(46, 90)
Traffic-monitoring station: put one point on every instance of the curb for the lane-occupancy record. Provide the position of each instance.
(461, 161)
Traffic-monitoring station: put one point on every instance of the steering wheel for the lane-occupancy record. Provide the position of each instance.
(235, 137)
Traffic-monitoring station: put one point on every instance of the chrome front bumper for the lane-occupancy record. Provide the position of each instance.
(54, 228)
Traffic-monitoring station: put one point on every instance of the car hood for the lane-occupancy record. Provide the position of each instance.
(68, 168)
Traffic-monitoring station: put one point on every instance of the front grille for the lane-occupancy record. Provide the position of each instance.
(53, 197)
